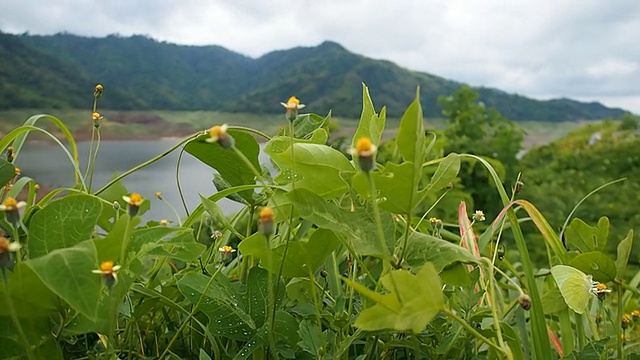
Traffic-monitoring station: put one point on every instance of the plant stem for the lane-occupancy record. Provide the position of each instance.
(376, 213)
(475, 333)
(147, 163)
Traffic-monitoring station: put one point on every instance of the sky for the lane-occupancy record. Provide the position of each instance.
(582, 49)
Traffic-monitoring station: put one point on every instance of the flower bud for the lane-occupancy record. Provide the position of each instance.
(525, 301)
(134, 201)
(219, 134)
(365, 151)
(292, 106)
(97, 91)
(265, 222)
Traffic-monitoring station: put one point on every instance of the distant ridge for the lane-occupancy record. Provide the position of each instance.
(141, 73)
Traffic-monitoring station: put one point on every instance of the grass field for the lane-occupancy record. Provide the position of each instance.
(148, 125)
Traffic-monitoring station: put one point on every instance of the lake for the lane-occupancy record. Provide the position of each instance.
(48, 165)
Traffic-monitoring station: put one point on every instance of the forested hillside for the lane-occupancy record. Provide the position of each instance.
(141, 73)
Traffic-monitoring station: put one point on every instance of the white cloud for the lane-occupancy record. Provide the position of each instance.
(584, 49)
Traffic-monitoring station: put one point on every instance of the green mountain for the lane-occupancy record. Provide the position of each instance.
(141, 73)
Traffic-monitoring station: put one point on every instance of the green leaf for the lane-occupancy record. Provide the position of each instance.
(445, 174)
(394, 185)
(109, 248)
(317, 168)
(585, 237)
(203, 355)
(596, 263)
(358, 225)
(68, 273)
(303, 256)
(30, 296)
(311, 338)
(410, 139)
(426, 249)
(63, 223)
(371, 124)
(7, 172)
(38, 334)
(624, 250)
(412, 303)
(229, 164)
(308, 125)
(235, 311)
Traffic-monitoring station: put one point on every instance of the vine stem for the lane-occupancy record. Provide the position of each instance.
(505, 353)
(147, 163)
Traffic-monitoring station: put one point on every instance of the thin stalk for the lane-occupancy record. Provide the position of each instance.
(250, 130)
(147, 163)
(580, 331)
(178, 185)
(95, 158)
(618, 323)
(475, 333)
(494, 306)
(376, 213)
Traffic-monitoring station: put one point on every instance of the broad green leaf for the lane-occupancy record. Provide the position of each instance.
(579, 235)
(311, 338)
(229, 164)
(317, 168)
(306, 125)
(445, 174)
(109, 248)
(426, 249)
(68, 273)
(235, 311)
(7, 172)
(30, 296)
(174, 239)
(411, 139)
(303, 256)
(624, 250)
(371, 124)
(394, 185)
(597, 264)
(63, 223)
(357, 226)
(38, 334)
(513, 340)
(286, 332)
(418, 299)
(456, 274)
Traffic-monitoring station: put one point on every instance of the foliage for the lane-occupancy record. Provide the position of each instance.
(326, 259)
(475, 129)
(145, 74)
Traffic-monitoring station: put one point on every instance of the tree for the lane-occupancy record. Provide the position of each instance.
(475, 129)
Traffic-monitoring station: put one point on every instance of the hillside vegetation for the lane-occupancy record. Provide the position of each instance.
(141, 73)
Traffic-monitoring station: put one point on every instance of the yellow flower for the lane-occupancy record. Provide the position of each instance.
(10, 204)
(134, 199)
(108, 272)
(433, 220)
(6, 246)
(37, 187)
(265, 222)
(365, 150)
(158, 194)
(98, 89)
(293, 104)
(226, 250)
(17, 171)
(164, 222)
(217, 132)
(96, 116)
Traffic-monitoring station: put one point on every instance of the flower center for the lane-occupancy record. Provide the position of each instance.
(107, 266)
(135, 198)
(363, 145)
(601, 286)
(293, 103)
(216, 131)
(266, 214)
(10, 203)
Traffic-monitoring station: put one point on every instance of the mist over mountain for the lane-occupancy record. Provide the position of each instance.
(140, 73)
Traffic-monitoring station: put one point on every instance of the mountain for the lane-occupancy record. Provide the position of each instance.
(141, 73)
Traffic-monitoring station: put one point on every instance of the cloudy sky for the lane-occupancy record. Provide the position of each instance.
(582, 49)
